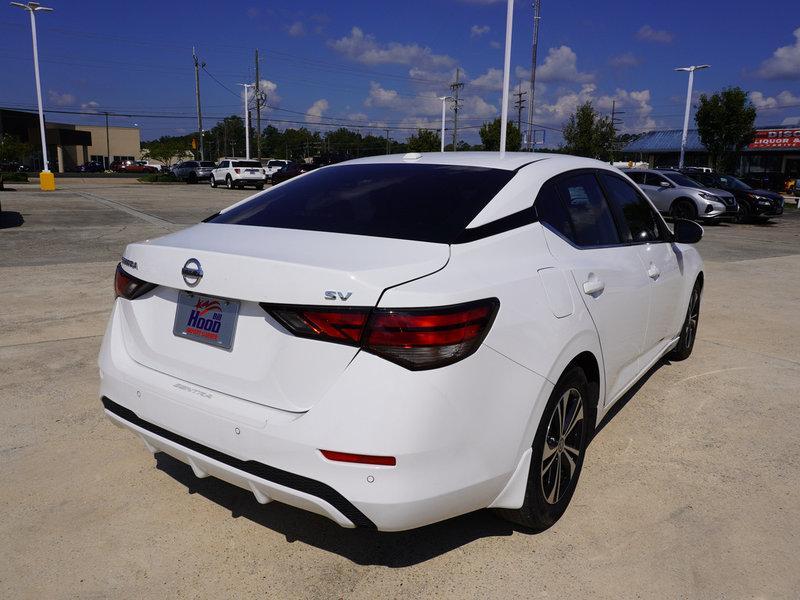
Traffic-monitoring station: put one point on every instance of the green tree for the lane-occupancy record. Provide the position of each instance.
(424, 140)
(725, 125)
(490, 136)
(13, 149)
(166, 149)
(588, 134)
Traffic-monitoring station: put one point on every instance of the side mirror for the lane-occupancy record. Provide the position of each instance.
(687, 232)
(664, 184)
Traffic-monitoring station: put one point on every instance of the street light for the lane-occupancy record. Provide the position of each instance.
(246, 120)
(691, 71)
(46, 179)
(443, 99)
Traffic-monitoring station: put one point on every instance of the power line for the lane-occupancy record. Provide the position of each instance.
(456, 87)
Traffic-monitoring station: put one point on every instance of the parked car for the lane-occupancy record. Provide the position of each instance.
(273, 166)
(192, 171)
(681, 197)
(754, 204)
(91, 167)
(152, 164)
(238, 174)
(397, 340)
(13, 166)
(292, 170)
(774, 181)
(130, 166)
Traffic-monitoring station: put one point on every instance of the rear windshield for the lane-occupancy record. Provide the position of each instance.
(207, 163)
(276, 163)
(247, 163)
(429, 203)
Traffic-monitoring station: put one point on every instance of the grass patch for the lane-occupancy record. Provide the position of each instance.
(158, 178)
(15, 177)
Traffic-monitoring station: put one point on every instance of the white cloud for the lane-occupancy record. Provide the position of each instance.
(784, 98)
(784, 62)
(270, 89)
(477, 31)
(365, 49)
(495, 44)
(648, 34)
(316, 110)
(491, 80)
(624, 60)
(636, 104)
(59, 98)
(296, 29)
(561, 64)
(90, 106)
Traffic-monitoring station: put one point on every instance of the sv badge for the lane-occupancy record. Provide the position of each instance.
(333, 295)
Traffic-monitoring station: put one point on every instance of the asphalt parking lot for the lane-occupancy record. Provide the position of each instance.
(690, 490)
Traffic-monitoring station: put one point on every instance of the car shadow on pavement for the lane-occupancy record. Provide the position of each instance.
(10, 218)
(362, 546)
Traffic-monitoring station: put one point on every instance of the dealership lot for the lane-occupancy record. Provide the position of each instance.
(688, 491)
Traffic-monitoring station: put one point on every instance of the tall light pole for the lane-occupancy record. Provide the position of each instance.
(46, 178)
(444, 100)
(691, 71)
(246, 120)
(506, 76)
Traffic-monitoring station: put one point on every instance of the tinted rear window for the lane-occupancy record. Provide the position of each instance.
(247, 163)
(207, 163)
(430, 203)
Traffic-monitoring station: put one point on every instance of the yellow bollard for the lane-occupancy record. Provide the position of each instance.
(47, 181)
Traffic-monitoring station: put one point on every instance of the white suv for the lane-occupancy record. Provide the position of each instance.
(238, 173)
(274, 165)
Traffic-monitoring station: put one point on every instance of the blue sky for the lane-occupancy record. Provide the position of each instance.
(382, 64)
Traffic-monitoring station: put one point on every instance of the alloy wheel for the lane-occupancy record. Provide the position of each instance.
(562, 446)
(692, 319)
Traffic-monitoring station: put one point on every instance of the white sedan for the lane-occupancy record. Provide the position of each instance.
(397, 340)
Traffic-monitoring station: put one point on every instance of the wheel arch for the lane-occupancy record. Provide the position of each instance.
(681, 199)
(589, 364)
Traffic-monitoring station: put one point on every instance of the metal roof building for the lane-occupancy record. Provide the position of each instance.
(666, 141)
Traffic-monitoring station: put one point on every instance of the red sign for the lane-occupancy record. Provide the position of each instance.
(776, 138)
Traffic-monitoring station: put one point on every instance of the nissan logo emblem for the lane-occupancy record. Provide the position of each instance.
(192, 272)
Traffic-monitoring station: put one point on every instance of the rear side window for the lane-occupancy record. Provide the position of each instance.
(551, 211)
(275, 163)
(591, 218)
(633, 211)
(429, 203)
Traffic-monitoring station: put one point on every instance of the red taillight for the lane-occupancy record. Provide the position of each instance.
(415, 338)
(237, 171)
(364, 459)
(129, 287)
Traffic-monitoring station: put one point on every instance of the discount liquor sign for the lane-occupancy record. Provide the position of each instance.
(776, 138)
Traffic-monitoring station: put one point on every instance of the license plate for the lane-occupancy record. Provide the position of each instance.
(206, 319)
(251, 170)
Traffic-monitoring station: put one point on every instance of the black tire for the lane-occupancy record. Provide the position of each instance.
(545, 498)
(259, 186)
(212, 182)
(689, 330)
(684, 209)
(192, 179)
(229, 182)
(743, 216)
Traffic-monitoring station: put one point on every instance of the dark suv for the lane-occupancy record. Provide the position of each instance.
(754, 204)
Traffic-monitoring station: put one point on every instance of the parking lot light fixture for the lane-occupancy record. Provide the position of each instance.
(444, 99)
(691, 71)
(246, 120)
(506, 76)
(46, 178)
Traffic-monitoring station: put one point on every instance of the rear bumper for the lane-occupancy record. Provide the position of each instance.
(458, 434)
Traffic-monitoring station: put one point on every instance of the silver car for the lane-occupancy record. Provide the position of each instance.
(681, 197)
(192, 171)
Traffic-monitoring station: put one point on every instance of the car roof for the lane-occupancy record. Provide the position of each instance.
(511, 161)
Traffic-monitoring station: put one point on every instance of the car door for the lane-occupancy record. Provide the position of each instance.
(646, 231)
(661, 191)
(582, 234)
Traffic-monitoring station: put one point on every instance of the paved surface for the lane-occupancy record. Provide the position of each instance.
(689, 491)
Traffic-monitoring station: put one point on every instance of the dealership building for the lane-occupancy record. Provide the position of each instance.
(69, 146)
(774, 150)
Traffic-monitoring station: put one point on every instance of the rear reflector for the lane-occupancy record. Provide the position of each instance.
(364, 459)
(415, 338)
(129, 287)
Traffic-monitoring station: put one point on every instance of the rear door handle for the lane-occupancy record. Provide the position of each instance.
(653, 272)
(593, 286)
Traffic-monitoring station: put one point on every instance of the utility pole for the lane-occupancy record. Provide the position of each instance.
(246, 121)
(387, 140)
(614, 122)
(519, 104)
(537, 7)
(258, 110)
(456, 87)
(197, 95)
(506, 77)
